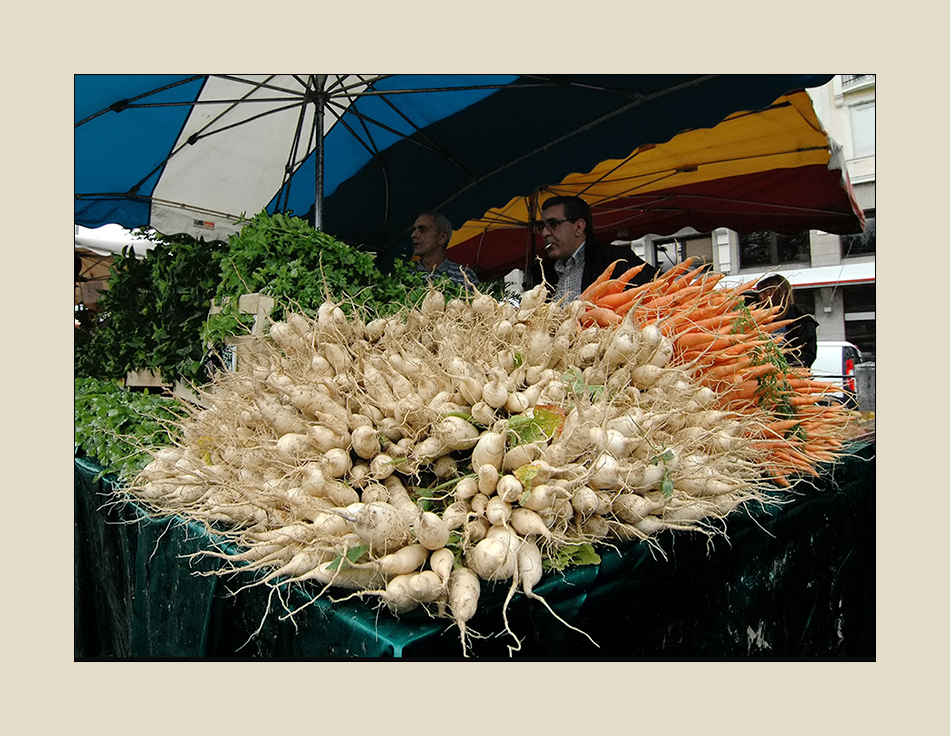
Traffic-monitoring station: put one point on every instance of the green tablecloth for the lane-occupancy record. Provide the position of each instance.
(795, 581)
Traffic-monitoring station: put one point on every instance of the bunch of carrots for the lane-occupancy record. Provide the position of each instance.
(731, 348)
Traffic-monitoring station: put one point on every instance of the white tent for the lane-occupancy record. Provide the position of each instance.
(111, 240)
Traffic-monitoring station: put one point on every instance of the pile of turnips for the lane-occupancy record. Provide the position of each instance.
(411, 459)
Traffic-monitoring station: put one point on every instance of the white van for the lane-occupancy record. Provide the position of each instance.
(835, 364)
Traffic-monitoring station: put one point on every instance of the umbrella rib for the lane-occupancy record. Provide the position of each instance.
(666, 173)
(371, 146)
(460, 88)
(123, 104)
(295, 145)
(642, 149)
(195, 137)
(432, 144)
(559, 81)
(340, 89)
(198, 135)
(427, 144)
(231, 105)
(758, 205)
(267, 84)
(158, 200)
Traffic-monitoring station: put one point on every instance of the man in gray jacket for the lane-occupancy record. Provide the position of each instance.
(574, 258)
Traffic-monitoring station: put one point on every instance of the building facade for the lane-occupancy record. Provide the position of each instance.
(833, 275)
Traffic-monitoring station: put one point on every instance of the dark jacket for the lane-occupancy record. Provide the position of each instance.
(597, 256)
(801, 337)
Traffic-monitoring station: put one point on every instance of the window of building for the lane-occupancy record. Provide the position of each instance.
(848, 80)
(767, 248)
(670, 251)
(862, 129)
(860, 301)
(861, 244)
(860, 298)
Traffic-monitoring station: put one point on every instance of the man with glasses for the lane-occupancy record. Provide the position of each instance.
(567, 227)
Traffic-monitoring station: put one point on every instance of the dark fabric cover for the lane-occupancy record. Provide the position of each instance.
(791, 581)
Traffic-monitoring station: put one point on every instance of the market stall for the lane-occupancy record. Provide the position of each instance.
(795, 581)
(489, 446)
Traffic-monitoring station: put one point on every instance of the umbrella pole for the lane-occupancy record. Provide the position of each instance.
(319, 101)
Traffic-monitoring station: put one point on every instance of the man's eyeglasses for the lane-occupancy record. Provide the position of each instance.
(551, 223)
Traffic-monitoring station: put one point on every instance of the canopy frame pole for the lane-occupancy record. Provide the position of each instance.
(319, 102)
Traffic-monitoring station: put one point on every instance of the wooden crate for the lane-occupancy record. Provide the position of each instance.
(260, 305)
(143, 379)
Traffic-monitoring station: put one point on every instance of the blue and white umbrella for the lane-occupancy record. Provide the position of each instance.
(361, 155)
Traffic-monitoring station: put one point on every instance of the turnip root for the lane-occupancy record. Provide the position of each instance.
(398, 594)
(325, 439)
(293, 446)
(494, 557)
(380, 525)
(479, 503)
(595, 527)
(708, 486)
(487, 478)
(457, 433)
(300, 564)
(475, 530)
(382, 466)
(497, 511)
(519, 456)
(455, 514)
(466, 488)
(495, 392)
(365, 442)
(445, 467)
(586, 501)
(489, 450)
(509, 488)
(632, 507)
(425, 586)
(338, 462)
(540, 496)
(339, 573)
(403, 561)
(430, 530)
(528, 523)
(529, 573)
(463, 594)
(442, 562)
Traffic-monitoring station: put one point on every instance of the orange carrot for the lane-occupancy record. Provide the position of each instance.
(601, 317)
(722, 371)
(620, 283)
(612, 301)
(694, 340)
(591, 292)
(798, 399)
(758, 371)
(778, 428)
(741, 391)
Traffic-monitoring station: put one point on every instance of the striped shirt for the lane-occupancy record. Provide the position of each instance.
(450, 269)
(570, 275)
